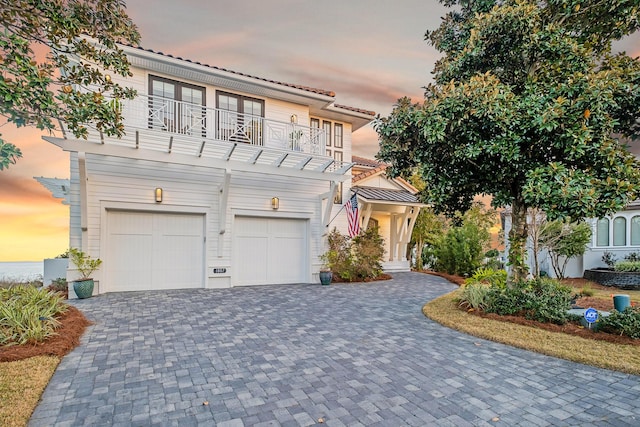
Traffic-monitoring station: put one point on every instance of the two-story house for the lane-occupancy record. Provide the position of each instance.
(223, 179)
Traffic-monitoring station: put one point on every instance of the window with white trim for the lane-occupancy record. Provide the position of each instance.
(619, 231)
(602, 232)
(635, 230)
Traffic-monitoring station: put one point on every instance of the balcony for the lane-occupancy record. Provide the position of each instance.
(192, 120)
(189, 130)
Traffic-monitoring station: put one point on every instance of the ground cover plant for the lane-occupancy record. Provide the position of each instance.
(547, 311)
(37, 328)
(543, 300)
(29, 314)
(564, 341)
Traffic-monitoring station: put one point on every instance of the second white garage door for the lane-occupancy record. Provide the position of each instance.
(154, 251)
(270, 251)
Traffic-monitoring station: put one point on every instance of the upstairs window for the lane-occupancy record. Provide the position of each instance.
(327, 132)
(239, 118)
(337, 135)
(176, 107)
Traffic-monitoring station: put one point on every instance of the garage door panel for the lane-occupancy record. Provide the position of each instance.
(288, 252)
(175, 265)
(254, 267)
(154, 251)
(252, 227)
(270, 251)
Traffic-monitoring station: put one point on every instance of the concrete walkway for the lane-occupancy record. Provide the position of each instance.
(290, 355)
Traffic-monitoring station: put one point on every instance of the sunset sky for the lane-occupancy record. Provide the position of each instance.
(369, 52)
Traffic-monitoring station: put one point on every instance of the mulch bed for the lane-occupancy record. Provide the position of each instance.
(569, 328)
(383, 276)
(73, 325)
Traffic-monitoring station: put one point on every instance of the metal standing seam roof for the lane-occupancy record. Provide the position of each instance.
(385, 195)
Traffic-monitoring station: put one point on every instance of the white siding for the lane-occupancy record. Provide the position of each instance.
(122, 184)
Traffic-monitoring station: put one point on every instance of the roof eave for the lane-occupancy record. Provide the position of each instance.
(159, 62)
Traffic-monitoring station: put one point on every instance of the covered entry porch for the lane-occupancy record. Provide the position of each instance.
(394, 212)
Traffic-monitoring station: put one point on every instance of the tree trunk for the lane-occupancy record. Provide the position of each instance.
(517, 240)
(536, 216)
(419, 260)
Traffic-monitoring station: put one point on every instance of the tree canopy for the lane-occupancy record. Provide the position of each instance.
(526, 104)
(71, 81)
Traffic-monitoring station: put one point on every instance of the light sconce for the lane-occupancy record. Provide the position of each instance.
(275, 203)
(294, 119)
(158, 194)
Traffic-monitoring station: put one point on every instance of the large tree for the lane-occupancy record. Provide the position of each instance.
(524, 107)
(52, 69)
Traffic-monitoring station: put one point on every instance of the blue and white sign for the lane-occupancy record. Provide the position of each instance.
(591, 315)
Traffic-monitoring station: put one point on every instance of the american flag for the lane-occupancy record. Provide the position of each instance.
(352, 215)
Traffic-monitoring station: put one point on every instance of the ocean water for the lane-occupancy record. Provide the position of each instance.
(21, 271)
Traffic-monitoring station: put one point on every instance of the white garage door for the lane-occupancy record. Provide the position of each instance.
(154, 251)
(270, 251)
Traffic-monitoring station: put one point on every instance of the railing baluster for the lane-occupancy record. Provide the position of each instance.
(177, 117)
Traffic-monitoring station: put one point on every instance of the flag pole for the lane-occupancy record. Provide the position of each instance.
(355, 193)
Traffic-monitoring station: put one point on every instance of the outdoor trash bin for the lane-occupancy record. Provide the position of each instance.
(620, 302)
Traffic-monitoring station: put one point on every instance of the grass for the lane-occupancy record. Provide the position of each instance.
(623, 358)
(21, 384)
(606, 293)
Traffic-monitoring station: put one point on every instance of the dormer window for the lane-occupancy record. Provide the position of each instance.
(176, 107)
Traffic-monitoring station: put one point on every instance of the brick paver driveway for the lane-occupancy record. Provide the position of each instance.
(290, 355)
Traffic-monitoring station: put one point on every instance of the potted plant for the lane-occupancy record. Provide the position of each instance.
(295, 138)
(325, 276)
(86, 265)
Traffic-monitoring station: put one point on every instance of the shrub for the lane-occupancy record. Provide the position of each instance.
(629, 266)
(59, 285)
(489, 276)
(460, 251)
(338, 257)
(622, 323)
(564, 240)
(632, 256)
(474, 295)
(368, 250)
(609, 259)
(28, 314)
(492, 253)
(356, 259)
(543, 300)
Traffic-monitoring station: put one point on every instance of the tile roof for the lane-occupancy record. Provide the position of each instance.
(386, 195)
(362, 161)
(370, 172)
(295, 86)
(356, 110)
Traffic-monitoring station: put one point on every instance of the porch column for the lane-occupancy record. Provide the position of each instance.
(393, 237)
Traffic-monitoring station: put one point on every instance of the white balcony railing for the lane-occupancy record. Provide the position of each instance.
(183, 118)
